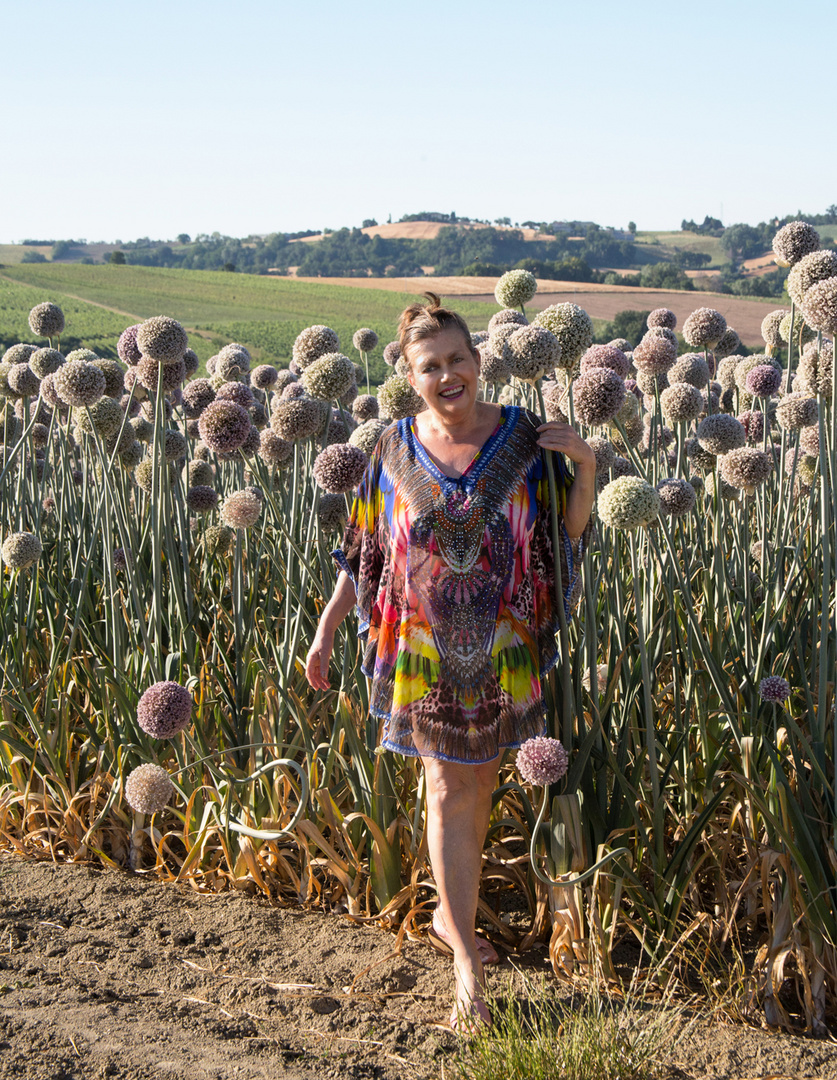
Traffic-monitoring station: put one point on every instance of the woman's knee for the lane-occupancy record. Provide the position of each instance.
(452, 783)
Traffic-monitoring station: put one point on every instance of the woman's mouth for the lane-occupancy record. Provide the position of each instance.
(452, 392)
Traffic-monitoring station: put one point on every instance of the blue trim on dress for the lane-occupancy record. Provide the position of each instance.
(498, 438)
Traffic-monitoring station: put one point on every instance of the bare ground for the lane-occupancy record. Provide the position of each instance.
(107, 974)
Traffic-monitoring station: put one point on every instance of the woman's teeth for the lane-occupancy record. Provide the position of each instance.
(455, 392)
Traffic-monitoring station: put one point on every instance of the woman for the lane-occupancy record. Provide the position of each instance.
(448, 558)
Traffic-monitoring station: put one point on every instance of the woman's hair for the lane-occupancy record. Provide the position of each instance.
(419, 321)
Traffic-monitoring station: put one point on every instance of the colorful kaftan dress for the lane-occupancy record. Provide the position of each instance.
(455, 590)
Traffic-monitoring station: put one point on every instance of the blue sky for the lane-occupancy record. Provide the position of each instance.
(121, 120)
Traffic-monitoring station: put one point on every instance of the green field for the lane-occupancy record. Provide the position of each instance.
(664, 245)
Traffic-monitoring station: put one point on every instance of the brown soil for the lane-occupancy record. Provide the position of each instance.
(107, 974)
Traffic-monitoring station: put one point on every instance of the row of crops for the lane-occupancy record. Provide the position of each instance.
(166, 545)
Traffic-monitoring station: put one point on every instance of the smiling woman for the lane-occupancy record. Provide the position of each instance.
(449, 559)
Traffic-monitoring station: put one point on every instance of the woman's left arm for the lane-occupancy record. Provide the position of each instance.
(565, 440)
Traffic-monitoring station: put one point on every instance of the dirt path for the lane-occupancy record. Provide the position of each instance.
(105, 974)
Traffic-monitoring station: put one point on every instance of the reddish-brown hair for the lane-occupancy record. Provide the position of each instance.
(420, 321)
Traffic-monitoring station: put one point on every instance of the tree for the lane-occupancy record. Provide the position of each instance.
(369, 223)
(628, 324)
(184, 238)
(117, 258)
(632, 228)
(33, 257)
(742, 242)
(229, 267)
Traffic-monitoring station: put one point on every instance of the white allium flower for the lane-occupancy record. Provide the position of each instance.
(515, 288)
(704, 328)
(148, 789)
(794, 241)
(818, 266)
(628, 502)
(573, 328)
(20, 550)
(329, 377)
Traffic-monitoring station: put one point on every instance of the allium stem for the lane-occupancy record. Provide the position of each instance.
(571, 880)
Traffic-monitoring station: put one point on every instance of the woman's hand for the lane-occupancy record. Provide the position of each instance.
(567, 441)
(319, 655)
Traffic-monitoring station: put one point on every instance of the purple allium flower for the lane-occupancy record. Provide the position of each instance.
(148, 372)
(114, 376)
(340, 468)
(365, 407)
(542, 761)
(661, 317)
(818, 266)
(763, 381)
(175, 445)
(606, 356)
(681, 402)
(704, 328)
(753, 424)
(719, 433)
(690, 368)
(164, 709)
(224, 426)
(127, 348)
(598, 396)
(197, 394)
(201, 499)
(191, 362)
(293, 391)
(745, 467)
(332, 512)
(391, 353)
(794, 241)
(264, 377)
(45, 362)
(505, 317)
(46, 320)
(238, 392)
(22, 381)
(605, 454)
(148, 789)
(120, 559)
(728, 343)
(796, 411)
(314, 342)
(655, 354)
(273, 449)
(162, 339)
(495, 365)
(241, 510)
(775, 689)
(677, 496)
(297, 418)
(364, 340)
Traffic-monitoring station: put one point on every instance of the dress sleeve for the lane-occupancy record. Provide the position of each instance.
(361, 553)
(572, 551)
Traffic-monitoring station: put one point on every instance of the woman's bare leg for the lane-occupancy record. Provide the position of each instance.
(458, 807)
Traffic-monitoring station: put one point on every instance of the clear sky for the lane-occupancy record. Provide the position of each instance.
(155, 117)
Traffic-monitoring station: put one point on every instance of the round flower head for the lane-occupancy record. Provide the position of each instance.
(284, 378)
(716, 486)
(338, 430)
(478, 337)
(22, 381)
(622, 466)
(224, 426)
(719, 433)
(199, 474)
(763, 381)
(46, 320)
(21, 550)
(366, 436)
(819, 306)
(249, 447)
(397, 399)
(120, 559)
(622, 344)
(175, 445)
(364, 340)
(690, 368)
(677, 497)
(232, 362)
(650, 382)
(555, 401)
(297, 418)
(130, 405)
(273, 449)
(104, 416)
(542, 761)
(48, 394)
(241, 510)
(801, 332)
(770, 328)
(632, 428)
(238, 392)
(532, 352)
(218, 540)
(726, 371)
(79, 383)
(628, 502)
(127, 348)
(753, 424)
(598, 395)
(515, 288)
(45, 362)
(818, 266)
(391, 353)
(329, 377)
(40, 434)
(794, 241)
(82, 354)
(728, 343)
(201, 499)
(573, 328)
(133, 385)
(704, 328)
(746, 467)
(809, 441)
(148, 372)
(499, 338)
(505, 317)
(191, 362)
(143, 429)
(747, 364)
(162, 339)
(655, 354)
(144, 476)
(264, 377)
(332, 513)
(197, 395)
(606, 356)
(495, 367)
(314, 342)
(340, 468)
(681, 403)
(775, 689)
(365, 407)
(605, 454)
(131, 456)
(114, 376)
(148, 789)
(796, 411)
(164, 710)
(661, 317)
(18, 354)
(815, 367)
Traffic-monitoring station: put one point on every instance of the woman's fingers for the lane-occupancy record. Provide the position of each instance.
(316, 665)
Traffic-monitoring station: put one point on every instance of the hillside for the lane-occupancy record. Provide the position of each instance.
(424, 230)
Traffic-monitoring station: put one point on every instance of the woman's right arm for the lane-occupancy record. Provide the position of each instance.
(335, 611)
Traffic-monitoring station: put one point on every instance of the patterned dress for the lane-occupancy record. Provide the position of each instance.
(455, 590)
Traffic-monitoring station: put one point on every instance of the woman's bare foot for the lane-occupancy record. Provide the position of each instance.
(488, 954)
(470, 1011)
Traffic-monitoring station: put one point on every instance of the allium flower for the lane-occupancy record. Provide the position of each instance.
(45, 362)
(40, 434)
(366, 436)
(532, 351)
(622, 466)
(478, 337)
(144, 475)
(46, 320)
(717, 486)
(232, 362)
(127, 348)
(397, 399)
(224, 426)
(770, 327)
(515, 288)
(819, 306)
(164, 710)
(131, 456)
(120, 559)
(728, 343)
(265, 377)
(655, 354)
(81, 354)
(365, 407)
(148, 372)
(628, 502)
(763, 380)
(175, 445)
(238, 392)
(133, 385)
(573, 328)
(273, 449)
(775, 689)
(162, 339)
(23, 381)
(505, 317)
(727, 369)
(314, 342)
(794, 241)
(143, 429)
(78, 382)
(796, 411)
(104, 416)
(801, 332)
(633, 430)
(283, 378)
(114, 376)
(250, 446)
(815, 368)
(201, 499)
(542, 761)
(719, 433)
(499, 338)
(818, 266)
(338, 428)
(21, 550)
(364, 340)
(197, 394)
(495, 367)
(690, 368)
(19, 354)
(681, 403)
(606, 356)
(241, 510)
(340, 468)
(809, 441)
(598, 396)
(297, 418)
(661, 317)
(753, 424)
(605, 454)
(329, 377)
(677, 496)
(218, 540)
(148, 789)
(622, 344)
(332, 512)
(704, 328)
(391, 353)
(746, 467)
(191, 362)
(651, 382)
(199, 474)
(293, 391)
(555, 399)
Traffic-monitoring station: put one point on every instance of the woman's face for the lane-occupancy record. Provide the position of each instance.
(444, 370)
